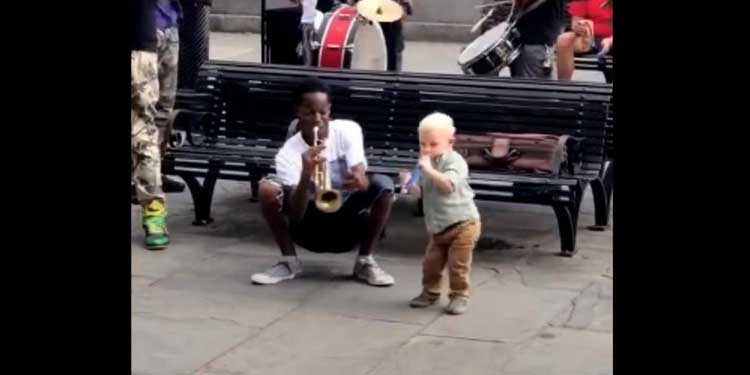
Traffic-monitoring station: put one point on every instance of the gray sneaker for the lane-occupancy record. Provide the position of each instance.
(283, 270)
(424, 299)
(457, 306)
(366, 269)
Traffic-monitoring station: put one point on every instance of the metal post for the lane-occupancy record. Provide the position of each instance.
(263, 41)
(194, 41)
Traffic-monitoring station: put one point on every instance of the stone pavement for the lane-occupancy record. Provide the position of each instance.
(426, 57)
(194, 310)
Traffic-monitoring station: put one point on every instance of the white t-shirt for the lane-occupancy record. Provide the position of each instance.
(344, 149)
(308, 11)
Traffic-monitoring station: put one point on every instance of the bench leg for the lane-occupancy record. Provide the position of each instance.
(567, 222)
(420, 208)
(602, 191)
(202, 197)
(254, 185)
(564, 213)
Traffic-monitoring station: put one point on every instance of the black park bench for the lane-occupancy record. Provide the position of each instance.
(241, 112)
(604, 64)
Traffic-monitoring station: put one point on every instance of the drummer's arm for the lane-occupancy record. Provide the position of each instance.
(578, 13)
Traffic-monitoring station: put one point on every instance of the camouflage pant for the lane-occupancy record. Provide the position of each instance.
(168, 51)
(144, 136)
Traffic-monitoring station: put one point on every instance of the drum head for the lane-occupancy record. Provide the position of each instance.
(369, 51)
(483, 44)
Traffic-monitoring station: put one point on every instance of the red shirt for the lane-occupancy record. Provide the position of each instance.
(592, 10)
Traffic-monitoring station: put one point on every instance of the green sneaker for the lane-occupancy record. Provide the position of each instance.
(155, 225)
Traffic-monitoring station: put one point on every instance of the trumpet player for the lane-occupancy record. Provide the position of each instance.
(291, 200)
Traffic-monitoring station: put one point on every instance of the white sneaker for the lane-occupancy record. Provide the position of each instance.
(283, 270)
(366, 269)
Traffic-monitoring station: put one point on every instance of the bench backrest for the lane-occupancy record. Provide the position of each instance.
(253, 107)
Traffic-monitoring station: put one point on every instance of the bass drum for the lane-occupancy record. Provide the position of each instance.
(346, 40)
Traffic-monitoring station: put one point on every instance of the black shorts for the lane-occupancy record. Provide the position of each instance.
(340, 231)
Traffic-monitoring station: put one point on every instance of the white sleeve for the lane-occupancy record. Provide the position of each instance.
(353, 142)
(286, 169)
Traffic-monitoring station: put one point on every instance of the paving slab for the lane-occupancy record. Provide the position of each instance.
(426, 355)
(545, 269)
(315, 343)
(355, 299)
(564, 352)
(163, 346)
(504, 311)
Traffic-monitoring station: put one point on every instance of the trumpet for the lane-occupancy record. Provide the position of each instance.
(327, 199)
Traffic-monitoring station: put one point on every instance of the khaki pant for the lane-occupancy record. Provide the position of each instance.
(454, 248)
(144, 136)
(168, 51)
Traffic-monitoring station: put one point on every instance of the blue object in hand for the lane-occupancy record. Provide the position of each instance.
(415, 173)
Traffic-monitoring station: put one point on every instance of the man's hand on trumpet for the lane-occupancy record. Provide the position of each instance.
(311, 157)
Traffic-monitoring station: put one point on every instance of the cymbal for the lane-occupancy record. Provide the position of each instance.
(380, 10)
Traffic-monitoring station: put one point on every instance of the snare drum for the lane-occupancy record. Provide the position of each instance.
(346, 40)
(491, 51)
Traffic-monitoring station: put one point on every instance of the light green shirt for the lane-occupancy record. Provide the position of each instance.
(441, 210)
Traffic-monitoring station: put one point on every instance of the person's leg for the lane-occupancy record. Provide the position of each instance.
(460, 254)
(530, 63)
(168, 50)
(169, 53)
(380, 202)
(144, 147)
(433, 263)
(308, 33)
(378, 199)
(399, 45)
(394, 44)
(566, 55)
(271, 197)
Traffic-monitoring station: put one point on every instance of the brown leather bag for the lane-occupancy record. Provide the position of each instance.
(531, 153)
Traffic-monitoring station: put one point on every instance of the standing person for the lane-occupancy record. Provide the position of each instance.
(307, 27)
(168, 15)
(394, 38)
(539, 29)
(583, 13)
(451, 216)
(287, 198)
(144, 135)
(393, 32)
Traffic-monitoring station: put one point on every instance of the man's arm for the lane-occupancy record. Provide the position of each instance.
(355, 178)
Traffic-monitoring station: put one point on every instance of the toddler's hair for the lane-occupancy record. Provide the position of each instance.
(438, 121)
